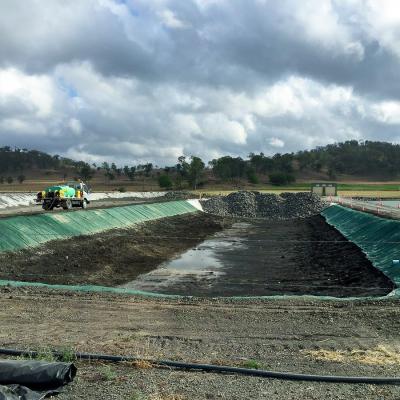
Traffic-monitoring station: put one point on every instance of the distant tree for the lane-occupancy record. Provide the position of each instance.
(252, 176)
(148, 168)
(178, 181)
(195, 171)
(165, 181)
(261, 163)
(10, 180)
(109, 175)
(21, 178)
(85, 172)
(281, 178)
(129, 172)
(228, 168)
(2, 180)
(332, 174)
(283, 162)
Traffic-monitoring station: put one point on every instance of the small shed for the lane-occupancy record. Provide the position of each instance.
(324, 188)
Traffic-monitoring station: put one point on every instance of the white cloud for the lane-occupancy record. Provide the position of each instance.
(217, 127)
(36, 92)
(275, 142)
(382, 21)
(387, 112)
(148, 80)
(170, 20)
(75, 125)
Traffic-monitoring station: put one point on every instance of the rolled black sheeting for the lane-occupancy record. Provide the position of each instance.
(39, 375)
(18, 392)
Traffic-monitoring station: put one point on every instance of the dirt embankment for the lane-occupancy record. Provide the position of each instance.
(251, 258)
(109, 258)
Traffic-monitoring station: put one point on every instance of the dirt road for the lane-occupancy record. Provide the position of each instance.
(37, 209)
(349, 338)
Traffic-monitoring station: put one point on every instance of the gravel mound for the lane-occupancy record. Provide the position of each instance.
(179, 195)
(265, 205)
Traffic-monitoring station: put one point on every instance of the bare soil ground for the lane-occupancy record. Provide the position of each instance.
(264, 258)
(294, 334)
(283, 335)
(110, 258)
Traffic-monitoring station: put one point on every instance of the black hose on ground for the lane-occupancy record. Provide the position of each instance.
(218, 368)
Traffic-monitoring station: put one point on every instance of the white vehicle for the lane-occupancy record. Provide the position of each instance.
(67, 196)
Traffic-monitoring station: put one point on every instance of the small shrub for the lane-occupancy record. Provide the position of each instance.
(108, 373)
(252, 364)
(46, 354)
(67, 354)
(121, 189)
(281, 178)
(165, 181)
(252, 177)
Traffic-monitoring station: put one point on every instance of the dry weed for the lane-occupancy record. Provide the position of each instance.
(380, 355)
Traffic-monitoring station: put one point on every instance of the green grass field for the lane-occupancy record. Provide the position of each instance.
(373, 189)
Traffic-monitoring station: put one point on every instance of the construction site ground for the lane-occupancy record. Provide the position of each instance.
(294, 334)
(244, 257)
(297, 335)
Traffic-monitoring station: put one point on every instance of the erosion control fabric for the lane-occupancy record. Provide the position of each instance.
(29, 231)
(33, 380)
(377, 237)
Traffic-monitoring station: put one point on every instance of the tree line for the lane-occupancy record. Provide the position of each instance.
(354, 158)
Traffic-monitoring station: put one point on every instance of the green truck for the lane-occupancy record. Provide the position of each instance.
(67, 196)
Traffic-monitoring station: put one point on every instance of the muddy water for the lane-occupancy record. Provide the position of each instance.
(269, 258)
(199, 266)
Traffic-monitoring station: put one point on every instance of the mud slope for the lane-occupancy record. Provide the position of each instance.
(110, 258)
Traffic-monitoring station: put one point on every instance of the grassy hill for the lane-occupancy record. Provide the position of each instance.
(356, 167)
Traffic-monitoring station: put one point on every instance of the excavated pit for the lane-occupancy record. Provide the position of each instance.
(204, 255)
(259, 258)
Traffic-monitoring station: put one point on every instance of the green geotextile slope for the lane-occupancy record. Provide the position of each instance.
(29, 231)
(379, 238)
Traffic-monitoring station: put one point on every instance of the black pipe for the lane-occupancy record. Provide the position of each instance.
(219, 368)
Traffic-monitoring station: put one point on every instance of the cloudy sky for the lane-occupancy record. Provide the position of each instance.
(150, 80)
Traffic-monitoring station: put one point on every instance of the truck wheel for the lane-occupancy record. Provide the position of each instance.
(84, 204)
(67, 205)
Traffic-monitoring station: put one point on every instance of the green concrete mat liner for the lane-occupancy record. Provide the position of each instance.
(29, 231)
(378, 238)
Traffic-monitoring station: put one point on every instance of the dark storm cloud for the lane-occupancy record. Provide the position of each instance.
(130, 80)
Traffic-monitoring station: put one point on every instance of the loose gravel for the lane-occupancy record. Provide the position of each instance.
(265, 205)
(179, 195)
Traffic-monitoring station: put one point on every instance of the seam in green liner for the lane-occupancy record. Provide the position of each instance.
(377, 237)
(21, 232)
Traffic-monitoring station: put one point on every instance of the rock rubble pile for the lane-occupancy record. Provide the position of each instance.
(265, 205)
(179, 195)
